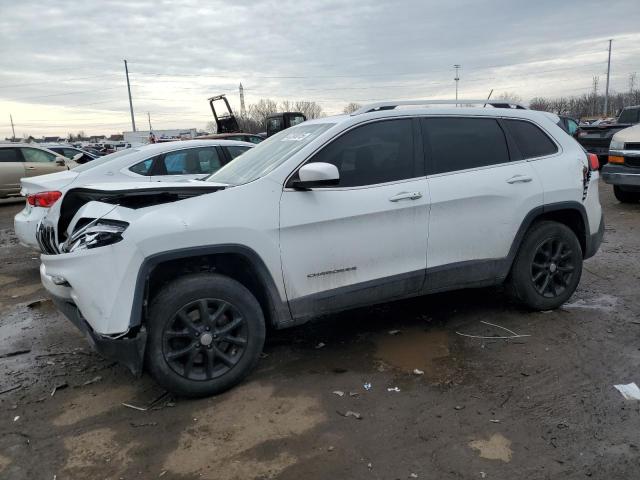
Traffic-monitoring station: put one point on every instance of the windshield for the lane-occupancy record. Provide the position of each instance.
(268, 155)
(105, 159)
(629, 115)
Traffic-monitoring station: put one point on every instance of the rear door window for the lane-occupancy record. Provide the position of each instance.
(453, 144)
(8, 155)
(530, 139)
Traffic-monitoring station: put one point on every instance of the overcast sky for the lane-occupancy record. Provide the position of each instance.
(62, 61)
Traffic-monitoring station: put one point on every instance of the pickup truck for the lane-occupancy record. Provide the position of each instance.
(596, 138)
(623, 170)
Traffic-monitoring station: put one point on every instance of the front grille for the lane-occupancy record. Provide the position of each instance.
(46, 237)
(632, 146)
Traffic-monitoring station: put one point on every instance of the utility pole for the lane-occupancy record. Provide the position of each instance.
(13, 138)
(457, 79)
(606, 93)
(149, 117)
(133, 121)
(242, 110)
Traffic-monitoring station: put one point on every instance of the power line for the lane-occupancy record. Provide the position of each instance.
(57, 80)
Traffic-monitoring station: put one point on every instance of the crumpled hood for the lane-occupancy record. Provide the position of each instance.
(127, 195)
(135, 186)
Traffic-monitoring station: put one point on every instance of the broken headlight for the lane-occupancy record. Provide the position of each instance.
(97, 233)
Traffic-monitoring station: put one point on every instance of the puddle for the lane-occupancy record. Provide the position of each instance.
(496, 448)
(605, 303)
(218, 444)
(43, 306)
(426, 350)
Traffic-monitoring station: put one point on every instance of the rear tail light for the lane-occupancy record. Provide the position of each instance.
(594, 164)
(43, 199)
(616, 159)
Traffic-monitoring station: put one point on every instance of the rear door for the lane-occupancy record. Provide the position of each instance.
(40, 162)
(11, 171)
(480, 194)
(189, 163)
(364, 240)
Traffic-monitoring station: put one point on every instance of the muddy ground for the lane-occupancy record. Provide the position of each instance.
(535, 407)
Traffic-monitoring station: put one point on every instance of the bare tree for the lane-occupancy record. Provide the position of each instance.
(512, 96)
(351, 107)
(261, 110)
(308, 109)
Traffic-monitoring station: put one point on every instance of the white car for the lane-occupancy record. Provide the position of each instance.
(161, 162)
(331, 214)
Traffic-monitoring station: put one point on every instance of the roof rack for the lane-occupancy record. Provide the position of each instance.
(390, 105)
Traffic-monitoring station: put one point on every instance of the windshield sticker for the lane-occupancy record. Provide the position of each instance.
(295, 137)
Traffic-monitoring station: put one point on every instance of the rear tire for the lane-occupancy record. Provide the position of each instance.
(625, 196)
(206, 333)
(548, 266)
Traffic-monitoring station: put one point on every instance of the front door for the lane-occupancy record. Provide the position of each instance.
(40, 162)
(363, 241)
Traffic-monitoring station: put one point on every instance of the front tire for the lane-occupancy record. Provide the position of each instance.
(547, 269)
(624, 196)
(206, 333)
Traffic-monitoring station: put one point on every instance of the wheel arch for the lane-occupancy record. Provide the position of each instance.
(239, 262)
(572, 214)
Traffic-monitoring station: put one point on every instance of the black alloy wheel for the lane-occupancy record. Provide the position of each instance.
(552, 267)
(547, 267)
(205, 334)
(205, 339)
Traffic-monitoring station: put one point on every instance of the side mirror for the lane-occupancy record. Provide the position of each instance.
(62, 161)
(317, 175)
(77, 156)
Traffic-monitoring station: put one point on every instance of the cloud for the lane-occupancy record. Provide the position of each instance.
(63, 70)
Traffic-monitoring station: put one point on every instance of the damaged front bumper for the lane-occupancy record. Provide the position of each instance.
(128, 351)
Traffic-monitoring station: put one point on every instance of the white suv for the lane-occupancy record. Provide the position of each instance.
(334, 213)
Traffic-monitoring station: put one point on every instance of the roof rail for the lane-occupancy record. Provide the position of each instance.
(390, 105)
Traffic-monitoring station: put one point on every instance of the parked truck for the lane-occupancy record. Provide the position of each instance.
(596, 138)
(226, 121)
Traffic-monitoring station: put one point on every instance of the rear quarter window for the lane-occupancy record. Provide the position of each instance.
(530, 139)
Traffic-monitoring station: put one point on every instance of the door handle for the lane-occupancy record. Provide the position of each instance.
(406, 196)
(30, 168)
(519, 179)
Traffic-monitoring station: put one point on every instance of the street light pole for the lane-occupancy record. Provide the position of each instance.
(457, 79)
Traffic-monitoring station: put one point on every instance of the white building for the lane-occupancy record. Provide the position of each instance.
(142, 136)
